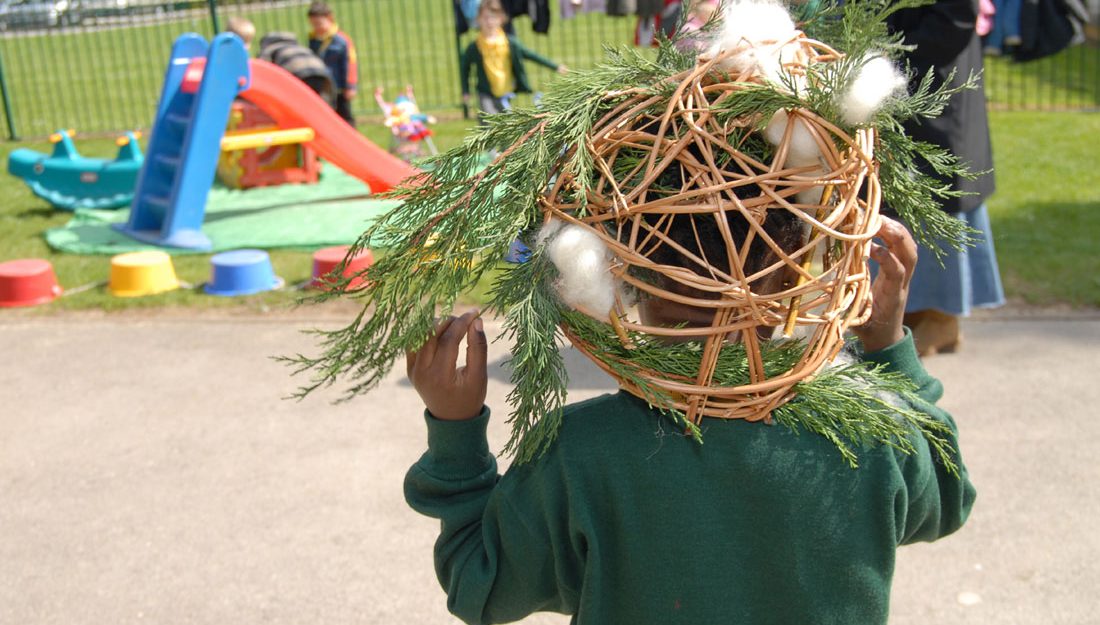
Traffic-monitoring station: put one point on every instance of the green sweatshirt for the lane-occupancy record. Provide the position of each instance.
(626, 521)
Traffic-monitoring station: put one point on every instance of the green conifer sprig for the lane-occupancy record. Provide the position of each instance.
(905, 165)
(860, 27)
(539, 378)
(859, 405)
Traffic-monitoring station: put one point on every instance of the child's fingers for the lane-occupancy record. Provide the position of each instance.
(450, 341)
(890, 268)
(477, 351)
(410, 363)
(427, 354)
(900, 243)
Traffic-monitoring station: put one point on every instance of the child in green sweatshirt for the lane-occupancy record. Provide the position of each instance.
(615, 524)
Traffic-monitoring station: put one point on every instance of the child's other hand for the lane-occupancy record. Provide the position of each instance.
(562, 69)
(465, 98)
(896, 260)
(450, 393)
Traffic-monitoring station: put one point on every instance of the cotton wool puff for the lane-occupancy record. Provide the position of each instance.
(584, 266)
(752, 25)
(802, 149)
(875, 83)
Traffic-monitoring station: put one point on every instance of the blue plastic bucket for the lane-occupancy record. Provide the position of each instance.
(241, 272)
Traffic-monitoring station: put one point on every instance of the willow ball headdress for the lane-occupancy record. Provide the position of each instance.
(599, 180)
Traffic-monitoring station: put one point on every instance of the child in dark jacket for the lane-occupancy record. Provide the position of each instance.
(338, 53)
(498, 59)
(613, 525)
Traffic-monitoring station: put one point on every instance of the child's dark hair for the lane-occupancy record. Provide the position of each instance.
(319, 9)
(701, 236)
(492, 6)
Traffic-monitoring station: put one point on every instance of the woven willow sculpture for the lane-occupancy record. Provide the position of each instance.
(633, 216)
(630, 163)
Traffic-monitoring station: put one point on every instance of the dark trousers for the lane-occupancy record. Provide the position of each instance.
(343, 109)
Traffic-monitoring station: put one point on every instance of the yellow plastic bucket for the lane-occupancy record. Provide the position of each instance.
(142, 273)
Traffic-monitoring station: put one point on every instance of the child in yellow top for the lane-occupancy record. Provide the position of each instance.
(498, 58)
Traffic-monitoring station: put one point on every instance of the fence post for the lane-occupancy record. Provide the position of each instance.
(461, 78)
(213, 4)
(9, 114)
(458, 60)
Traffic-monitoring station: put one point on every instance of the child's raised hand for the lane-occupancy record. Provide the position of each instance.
(450, 393)
(896, 260)
(562, 69)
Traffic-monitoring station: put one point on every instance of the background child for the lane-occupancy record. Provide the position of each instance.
(243, 28)
(498, 59)
(338, 52)
(616, 525)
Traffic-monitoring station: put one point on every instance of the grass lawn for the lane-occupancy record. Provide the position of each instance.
(1046, 213)
(1068, 80)
(1046, 221)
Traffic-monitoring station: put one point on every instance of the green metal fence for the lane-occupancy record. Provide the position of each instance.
(98, 69)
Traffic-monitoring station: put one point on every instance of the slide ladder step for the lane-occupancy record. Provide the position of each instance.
(167, 162)
(177, 121)
(158, 201)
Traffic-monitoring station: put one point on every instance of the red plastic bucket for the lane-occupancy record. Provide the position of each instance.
(327, 260)
(27, 282)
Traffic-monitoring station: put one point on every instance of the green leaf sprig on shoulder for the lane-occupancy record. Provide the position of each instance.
(852, 405)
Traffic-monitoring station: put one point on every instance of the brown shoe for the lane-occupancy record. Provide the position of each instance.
(934, 332)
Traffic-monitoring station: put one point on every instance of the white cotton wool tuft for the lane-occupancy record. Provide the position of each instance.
(548, 230)
(752, 25)
(583, 263)
(877, 80)
(802, 150)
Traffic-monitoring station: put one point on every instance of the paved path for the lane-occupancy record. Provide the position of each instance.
(150, 473)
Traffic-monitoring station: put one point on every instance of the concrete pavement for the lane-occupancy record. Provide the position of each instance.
(151, 473)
